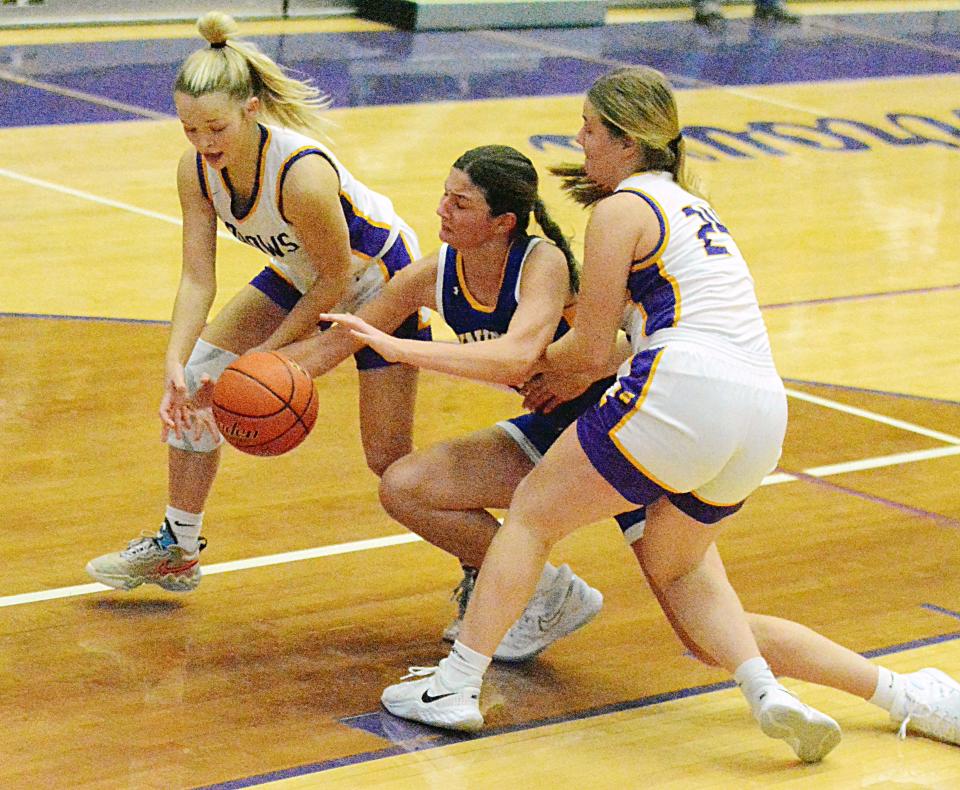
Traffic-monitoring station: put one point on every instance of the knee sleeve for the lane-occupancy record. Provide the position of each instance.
(205, 358)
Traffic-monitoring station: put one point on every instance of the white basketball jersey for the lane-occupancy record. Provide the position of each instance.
(370, 216)
(695, 286)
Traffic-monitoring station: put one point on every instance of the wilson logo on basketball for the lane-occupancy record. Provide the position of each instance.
(264, 403)
(235, 431)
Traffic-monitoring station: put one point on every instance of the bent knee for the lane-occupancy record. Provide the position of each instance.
(538, 515)
(400, 485)
(382, 456)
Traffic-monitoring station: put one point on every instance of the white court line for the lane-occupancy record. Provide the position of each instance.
(898, 459)
(79, 193)
(397, 540)
(872, 415)
(881, 461)
(227, 567)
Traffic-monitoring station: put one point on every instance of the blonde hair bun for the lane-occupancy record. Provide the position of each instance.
(217, 27)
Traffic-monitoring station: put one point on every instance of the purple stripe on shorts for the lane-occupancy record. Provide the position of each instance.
(594, 428)
(702, 511)
(366, 237)
(595, 425)
(397, 256)
(276, 289)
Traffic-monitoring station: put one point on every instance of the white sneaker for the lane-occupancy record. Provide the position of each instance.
(532, 633)
(810, 733)
(928, 704)
(565, 606)
(429, 701)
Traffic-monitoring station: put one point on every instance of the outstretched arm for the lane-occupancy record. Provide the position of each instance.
(409, 290)
(507, 359)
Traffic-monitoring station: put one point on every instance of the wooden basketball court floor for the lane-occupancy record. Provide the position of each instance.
(831, 150)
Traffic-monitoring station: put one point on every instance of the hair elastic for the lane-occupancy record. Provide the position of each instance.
(218, 44)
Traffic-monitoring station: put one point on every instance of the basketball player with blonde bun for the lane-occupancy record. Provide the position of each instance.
(691, 427)
(331, 243)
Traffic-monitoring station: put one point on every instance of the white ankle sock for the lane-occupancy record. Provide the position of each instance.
(888, 684)
(185, 527)
(753, 676)
(462, 666)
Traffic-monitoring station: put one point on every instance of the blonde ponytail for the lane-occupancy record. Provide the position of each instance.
(239, 69)
(635, 103)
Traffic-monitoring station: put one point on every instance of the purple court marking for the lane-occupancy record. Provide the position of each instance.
(29, 105)
(409, 735)
(861, 297)
(397, 67)
(107, 319)
(926, 641)
(943, 521)
(416, 737)
(940, 610)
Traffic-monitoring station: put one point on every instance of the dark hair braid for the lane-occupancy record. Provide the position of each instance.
(552, 231)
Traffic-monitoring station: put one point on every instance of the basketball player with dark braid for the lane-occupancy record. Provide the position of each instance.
(504, 293)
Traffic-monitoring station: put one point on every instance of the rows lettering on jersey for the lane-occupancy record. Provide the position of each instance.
(277, 246)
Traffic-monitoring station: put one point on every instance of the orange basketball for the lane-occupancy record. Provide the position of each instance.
(265, 403)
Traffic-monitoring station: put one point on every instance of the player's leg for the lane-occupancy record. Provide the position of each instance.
(774, 11)
(733, 420)
(545, 508)
(387, 399)
(442, 493)
(170, 558)
(927, 700)
(707, 613)
(246, 321)
(388, 394)
(708, 14)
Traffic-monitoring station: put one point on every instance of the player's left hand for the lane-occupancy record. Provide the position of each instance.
(387, 346)
(174, 416)
(547, 390)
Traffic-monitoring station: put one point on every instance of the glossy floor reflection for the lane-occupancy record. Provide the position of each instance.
(831, 149)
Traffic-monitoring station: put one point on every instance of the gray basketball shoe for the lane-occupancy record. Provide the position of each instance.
(150, 559)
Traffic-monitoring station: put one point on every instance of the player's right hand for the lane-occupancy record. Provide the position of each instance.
(174, 410)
